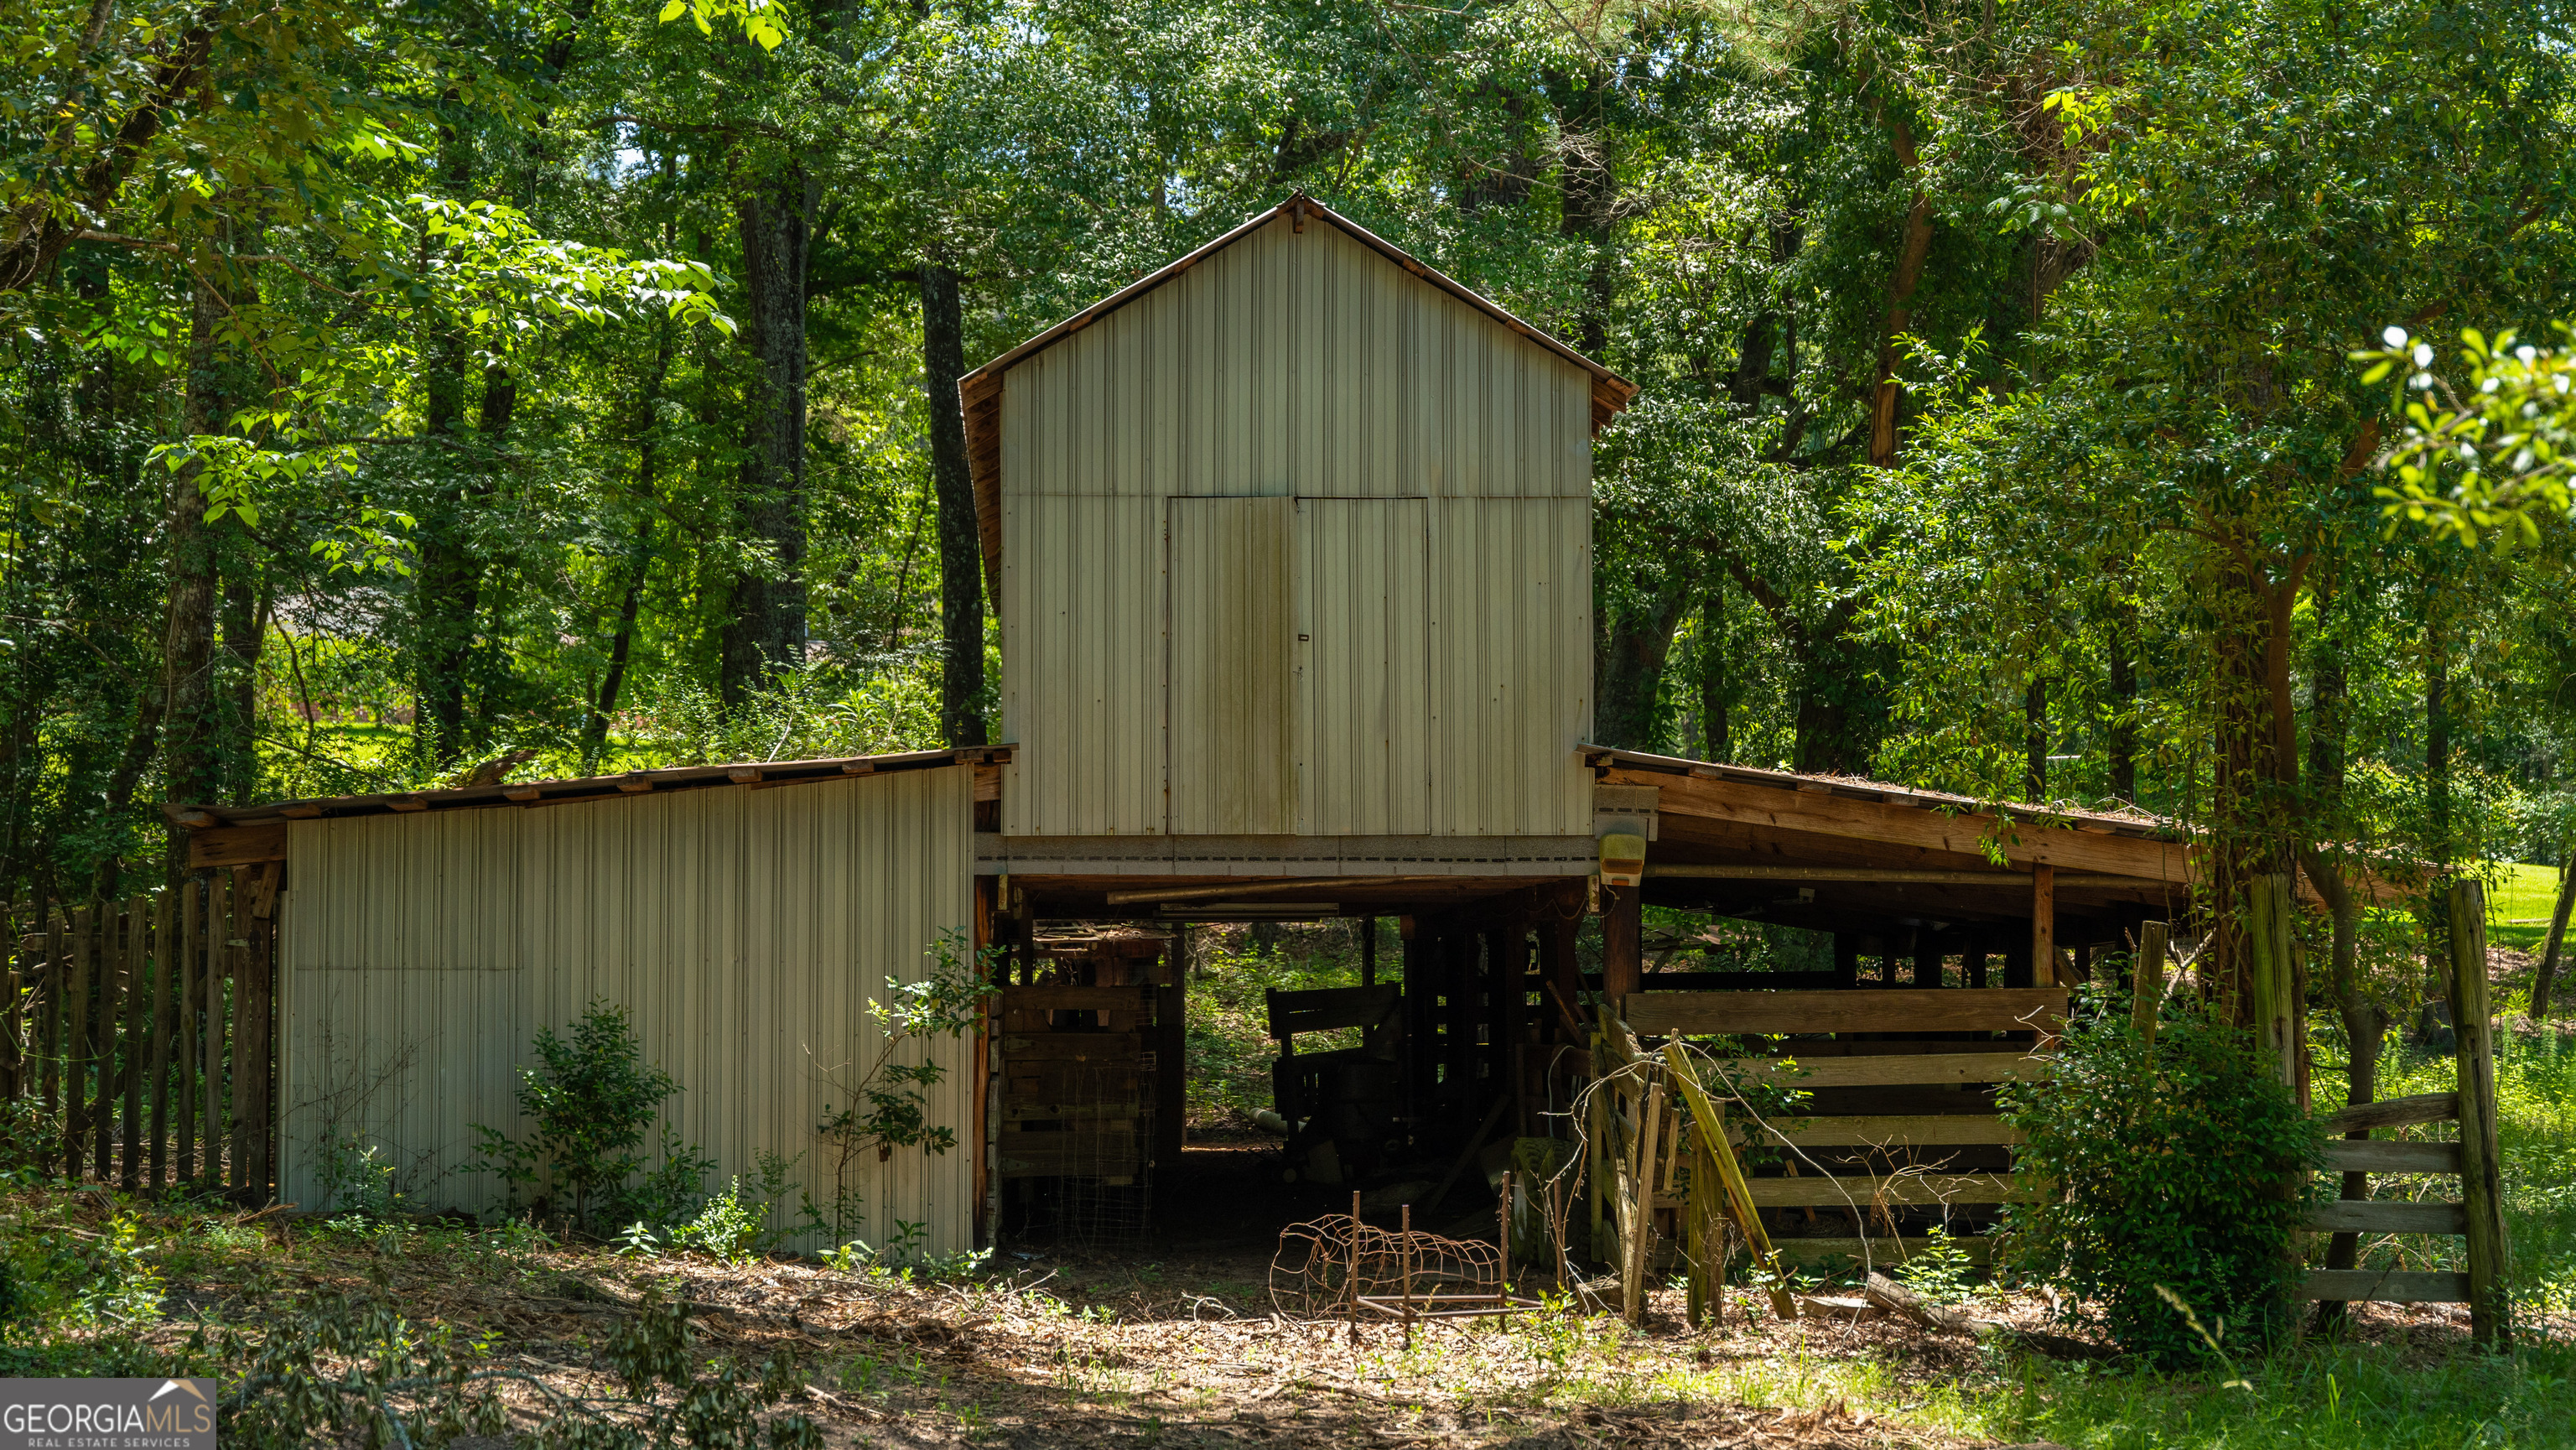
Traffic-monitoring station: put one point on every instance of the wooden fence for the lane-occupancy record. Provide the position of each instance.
(141, 1031)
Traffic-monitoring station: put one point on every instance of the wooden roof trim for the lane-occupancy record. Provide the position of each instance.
(754, 774)
(980, 392)
(2140, 826)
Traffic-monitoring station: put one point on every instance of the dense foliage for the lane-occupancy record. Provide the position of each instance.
(2174, 1169)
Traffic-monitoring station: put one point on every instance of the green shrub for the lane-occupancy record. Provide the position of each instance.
(2176, 1164)
(588, 1104)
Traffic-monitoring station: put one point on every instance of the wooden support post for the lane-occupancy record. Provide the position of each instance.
(2043, 923)
(1171, 1053)
(1511, 989)
(2481, 1171)
(1557, 958)
(1927, 958)
(1972, 962)
(1846, 959)
(2147, 977)
(1368, 951)
(1623, 941)
(1596, 1172)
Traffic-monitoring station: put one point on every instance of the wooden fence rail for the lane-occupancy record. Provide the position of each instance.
(140, 1033)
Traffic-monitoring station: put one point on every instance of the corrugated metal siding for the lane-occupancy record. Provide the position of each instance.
(742, 929)
(1082, 666)
(1363, 710)
(1285, 366)
(1233, 622)
(1511, 659)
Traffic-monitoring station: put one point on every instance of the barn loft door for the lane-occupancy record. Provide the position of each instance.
(1230, 617)
(1362, 732)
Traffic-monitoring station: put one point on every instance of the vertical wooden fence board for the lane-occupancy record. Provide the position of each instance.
(130, 1055)
(2481, 1178)
(57, 976)
(191, 994)
(237, 1092)
(162, 914)
(213, 1172)
(77, 1054)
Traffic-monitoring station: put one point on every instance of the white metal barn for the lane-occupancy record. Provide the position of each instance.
(1292, 548)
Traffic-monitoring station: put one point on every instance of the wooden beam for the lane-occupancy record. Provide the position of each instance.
(1240, 890)
(237, 845)
(1900, 1130)
(2380, 1155)
(2387, 1216)
(1896, 1070)
(1913, 1189)
(1857, 1010)
(2384, 1286)
(2023, 842)
(2395, 1113)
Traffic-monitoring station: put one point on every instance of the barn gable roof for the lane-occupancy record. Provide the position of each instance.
(980, 391)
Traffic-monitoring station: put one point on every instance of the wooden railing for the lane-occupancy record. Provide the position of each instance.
(140, 1030)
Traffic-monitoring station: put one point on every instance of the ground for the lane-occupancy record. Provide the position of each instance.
(1173, 1342)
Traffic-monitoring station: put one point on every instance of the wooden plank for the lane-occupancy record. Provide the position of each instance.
(2022, 841)
(1077, 1046)
(2481, 1168)
(2396, 1113)
(236, 845)
(1911, 1188)
(1899, 1130)
(1857, 1010)
(2387, 1216)
(2366, 1155)
(1897, 1069)
(1075, 999)
(1875, 875)
(1834, 1254)
(1623, 957)
(2384, 1286)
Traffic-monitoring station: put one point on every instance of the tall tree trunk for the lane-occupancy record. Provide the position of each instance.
(2121, 742)
(185, 690)
(244, 623)
(1635, 645)
(2547, 976)
(961, 554)
(2034, 738)
(1713, 702)
(774, 213)
(1914, 245)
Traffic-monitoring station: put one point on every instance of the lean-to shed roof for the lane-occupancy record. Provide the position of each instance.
(980, 392)
(756, 775)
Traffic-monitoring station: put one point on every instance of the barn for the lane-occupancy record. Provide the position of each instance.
(1291, 547)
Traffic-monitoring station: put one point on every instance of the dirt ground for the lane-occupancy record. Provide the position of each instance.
(1173, 1342)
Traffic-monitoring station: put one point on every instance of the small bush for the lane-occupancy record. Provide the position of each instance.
(588, 1104)
(2175, 1165)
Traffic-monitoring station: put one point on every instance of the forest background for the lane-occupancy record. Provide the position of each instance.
(393, 391)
